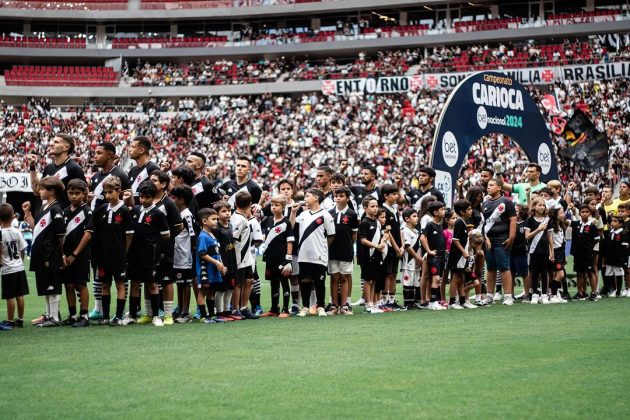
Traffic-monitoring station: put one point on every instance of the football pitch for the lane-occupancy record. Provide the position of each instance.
(557, 361)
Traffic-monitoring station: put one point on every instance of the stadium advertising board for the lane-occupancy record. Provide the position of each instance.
(482, 104)
(431, 81)
(14, 181)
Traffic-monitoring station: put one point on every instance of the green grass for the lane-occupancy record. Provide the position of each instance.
(558, 361)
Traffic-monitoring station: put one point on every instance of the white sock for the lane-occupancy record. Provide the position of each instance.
(54, 306)
(168, 307)
(313, 298)
(147, 307)
(349, 300)
(227, 299)
(218, 301)
(47, 310)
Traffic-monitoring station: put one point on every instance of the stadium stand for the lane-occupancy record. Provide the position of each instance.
(33, 42)
(61, 76)
(68, 4)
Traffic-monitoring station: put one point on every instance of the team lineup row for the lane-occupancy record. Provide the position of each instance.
(164, 227)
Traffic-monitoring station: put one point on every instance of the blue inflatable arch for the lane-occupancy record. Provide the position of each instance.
(485, 103)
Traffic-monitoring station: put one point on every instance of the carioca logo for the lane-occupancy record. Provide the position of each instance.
(497, 96)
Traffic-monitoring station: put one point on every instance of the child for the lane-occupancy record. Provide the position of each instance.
(47, 251)
(150, 230)
(584, 237)
(372, 247)
(76, 250)
(422, 295)
(278, 256)
(450, 217)
(622, 212)
(113, 231)
(242, 233)
(185, 244)
(208, 265)
(223, 234)
(390, 266)
(14, 284)
(518, 253)
(458, 255)
(432, 239)
(473, 271)
(314, 232)
(557, 225)
(540, 249)
(342, 251)
(257, 240)
(411, 261)
(615, 251)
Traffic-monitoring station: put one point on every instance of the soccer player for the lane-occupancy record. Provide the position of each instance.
(62, 167)
(584, 237)
(185, 245)
(459, 256)
(323, 177)
(499, 229)
(113, 231)
(314, 232)
(434, 244)
(150, 231)
(242, 182)
(208, 266)
(77, 251)
(227, 250)
(426, 176)
(411, 260)
(204, 192)
(47, 253)
(523, 191)
(14, 283)
(105, 160)
(165, 270)
(342, 251)
(395, 251)
(278, 256)
(242, 233)
(372, 248)
(139, 151)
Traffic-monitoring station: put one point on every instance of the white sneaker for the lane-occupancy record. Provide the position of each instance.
(612, 294)
(556, 299)
(455, 305)
(498, 296)
(321, 311)
(488, 300)
(508, 301)
(628, 290)
(127, 320)
(436, 306)
(535, 299)
(157, 321)
(359, 302)
(375, 310)
(624, 293)
(469, 305)
(520, 295)
(545, 299)
(303, 312)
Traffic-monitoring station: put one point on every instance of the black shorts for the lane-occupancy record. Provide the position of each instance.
(164, 273)
(142, 274)
(314, 272)
(182, 275)
(243, 274)
(76, 273)
(111, 275)
(470, 277)
(436, 265)
(390, 265)
(518, 265)
(14, 285)
(539, 263)
(371, 271)
(273, 271)
(558, 260)
(48, 282)
(583, 264)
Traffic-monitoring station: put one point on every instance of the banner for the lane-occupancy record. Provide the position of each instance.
(448, 81)
(586, 146)
(15, 181)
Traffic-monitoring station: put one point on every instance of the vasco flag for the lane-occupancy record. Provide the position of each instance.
(586, 146)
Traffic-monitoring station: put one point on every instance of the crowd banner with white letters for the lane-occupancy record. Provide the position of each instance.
(482, 104)
(448, 81)
(15, 181)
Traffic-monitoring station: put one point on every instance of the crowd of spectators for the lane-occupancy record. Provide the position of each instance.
(594, 49)
(282, 133)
